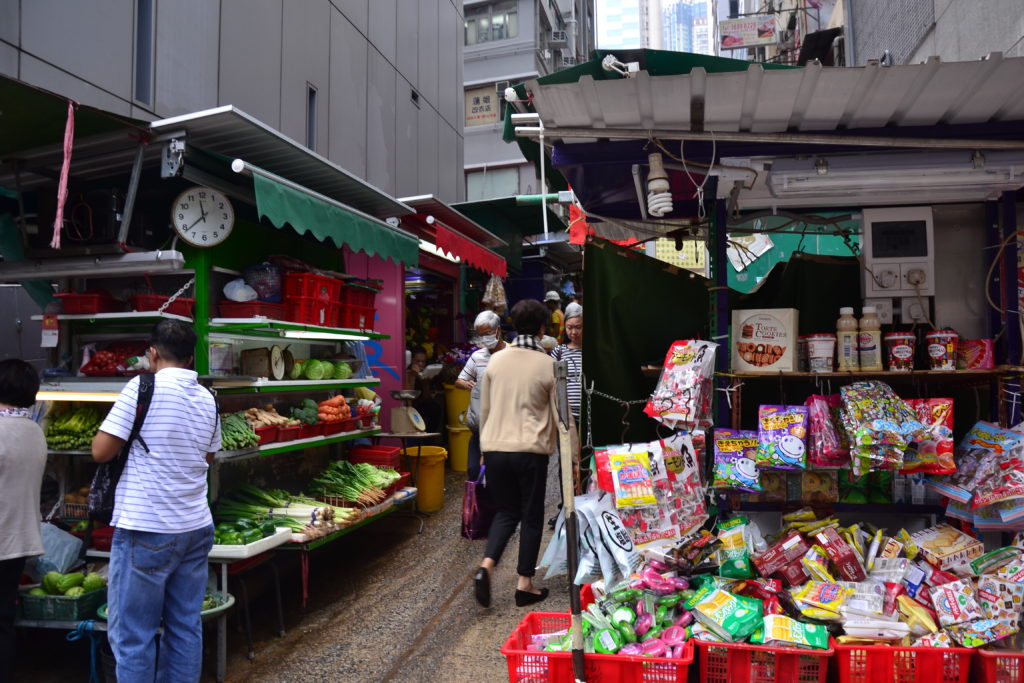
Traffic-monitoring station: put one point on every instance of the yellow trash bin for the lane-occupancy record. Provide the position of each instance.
(456, 403)
(429, 475)
(458, 447)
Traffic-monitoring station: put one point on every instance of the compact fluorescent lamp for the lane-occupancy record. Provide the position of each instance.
(136, 263)
(970, 175)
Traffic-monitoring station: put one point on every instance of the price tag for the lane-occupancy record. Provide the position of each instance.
(51, 332)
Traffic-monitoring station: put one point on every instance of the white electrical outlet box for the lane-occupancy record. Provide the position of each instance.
(899, 252)
(884, 309)
(912, 310)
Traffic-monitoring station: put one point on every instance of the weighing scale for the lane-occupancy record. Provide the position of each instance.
(406, 419)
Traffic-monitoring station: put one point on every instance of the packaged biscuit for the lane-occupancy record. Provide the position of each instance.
(1000, 599)
(815, 563)
(731, 617)
(631, 477)
(993, 560)
(819, 600)
(781, 631)
(954, 602)
(782, 437)
(845, 560)
(788, 549)
(734, 555)
(735, 451)
(940, 639)
(981, 632)
(946, 547)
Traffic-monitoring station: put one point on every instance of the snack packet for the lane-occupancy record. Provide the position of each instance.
(782, 437)
(954, 602)
(821, 600)
(1000, 599)
(934, 453)
(734, 460)
(781, 631)
(880, 423)
(731, 617)
(682, 399)
(843, 557)
(981, 632)
(815, 563)
(825, 437)
(994, 559)
(940, 639)
(735, 556)
(682, 453)
(631, 476)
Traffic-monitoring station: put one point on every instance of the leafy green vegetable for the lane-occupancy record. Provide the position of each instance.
(296, 372)
(306, 413)
(313, 369)
(236, 434)
(342, 370)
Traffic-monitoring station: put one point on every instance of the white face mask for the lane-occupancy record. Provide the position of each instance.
(488, 341)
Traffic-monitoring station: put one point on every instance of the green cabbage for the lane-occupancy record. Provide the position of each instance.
(313, 369)
(342, 370)
(296, 372)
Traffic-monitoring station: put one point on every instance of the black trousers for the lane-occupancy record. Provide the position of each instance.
(473, 466)
(516, 483)
(10, 574)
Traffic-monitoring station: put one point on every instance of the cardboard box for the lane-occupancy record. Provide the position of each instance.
(843, 557)
(946, 547)
(793, 574)
(764, 340)
(789, 549)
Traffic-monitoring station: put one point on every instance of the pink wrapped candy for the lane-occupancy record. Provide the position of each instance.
(655, 647)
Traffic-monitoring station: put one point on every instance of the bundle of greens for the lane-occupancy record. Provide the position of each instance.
(235, 432)
(363, 483)
(306, 413)
(298, 513)
(74, 429)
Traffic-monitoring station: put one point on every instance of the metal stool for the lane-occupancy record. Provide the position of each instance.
(237, 571)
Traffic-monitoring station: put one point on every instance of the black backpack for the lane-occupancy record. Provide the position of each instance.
(104, 482)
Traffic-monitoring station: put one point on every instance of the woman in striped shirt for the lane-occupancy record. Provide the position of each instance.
(572, 353)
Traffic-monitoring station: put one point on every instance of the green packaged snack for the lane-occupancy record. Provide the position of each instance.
(780, 631)
(731, 617)
(735, 556)
(608, 641)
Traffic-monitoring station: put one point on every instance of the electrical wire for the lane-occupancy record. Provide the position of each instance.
(672, 156)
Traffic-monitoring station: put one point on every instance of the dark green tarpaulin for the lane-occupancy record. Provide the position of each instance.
(636, 307)
(283, 205)
(510, 221)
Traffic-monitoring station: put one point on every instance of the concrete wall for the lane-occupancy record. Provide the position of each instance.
(387, 73)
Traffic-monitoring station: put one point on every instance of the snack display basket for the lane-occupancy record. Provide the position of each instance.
(998, 666)
(883, 663)
(252, 309)
(734, 662)
(77, 304)
(312, 286)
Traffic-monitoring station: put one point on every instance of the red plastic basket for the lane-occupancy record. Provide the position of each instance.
(252, 309)
(288, 433)
(153, 302)
(886, 664)
(399, 483)
(998, 666)
(332, 428)
(309, 431)
(78, 304)
(381, 456)
(735, 662)
(267, 434)
(310, 311)
(356, 317)
(312, 286)
(358, 294)
(103, 538)
(532, 666)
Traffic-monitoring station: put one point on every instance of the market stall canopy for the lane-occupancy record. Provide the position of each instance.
(231, 132)
(511, 221)
(455, 233)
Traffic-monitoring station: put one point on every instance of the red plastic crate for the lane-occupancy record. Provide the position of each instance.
(310, 311)
(358, 294)
(381, 456)
(252, 309)
(288, 433)
(103, 539)
(399, 483)
(886, 664)
(312, 286)
(356, 317)
(95, 302)
(332, 428)
(309, 431)
(734, 662)
(267, 434)
(153, 302)
(998, 666)
(531, 666)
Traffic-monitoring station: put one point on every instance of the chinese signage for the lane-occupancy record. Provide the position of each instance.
(482, 106)
(748, 31)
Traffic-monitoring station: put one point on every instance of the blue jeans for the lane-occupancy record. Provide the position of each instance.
(157, 578)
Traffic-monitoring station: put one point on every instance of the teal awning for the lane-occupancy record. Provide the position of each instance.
(307, 212)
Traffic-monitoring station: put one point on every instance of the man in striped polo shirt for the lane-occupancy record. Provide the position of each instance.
(163, 526)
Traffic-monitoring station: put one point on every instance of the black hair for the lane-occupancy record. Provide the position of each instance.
(417, 349)
(529, 315)
(175, 340)
(19, 383)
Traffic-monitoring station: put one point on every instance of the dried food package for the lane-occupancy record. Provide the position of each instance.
(881, 425)
(682, 399)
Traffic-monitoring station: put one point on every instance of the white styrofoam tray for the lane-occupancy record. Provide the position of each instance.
(238, 552)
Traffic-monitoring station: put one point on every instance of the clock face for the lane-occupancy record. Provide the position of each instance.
(202, 216)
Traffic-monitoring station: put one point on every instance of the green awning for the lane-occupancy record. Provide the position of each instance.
(307, 213)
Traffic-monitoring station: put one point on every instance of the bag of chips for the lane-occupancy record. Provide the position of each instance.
(825, 447)
(682, 399)
(781, 631)
(782, 437)
(954, 602)
(631, 476)
(734, 460)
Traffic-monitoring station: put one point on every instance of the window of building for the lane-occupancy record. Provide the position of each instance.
(491, 21)
(491, 183)
(144, 19)
(310, 116)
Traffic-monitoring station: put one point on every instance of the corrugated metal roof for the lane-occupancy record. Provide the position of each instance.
(814, 98)
(229, 131)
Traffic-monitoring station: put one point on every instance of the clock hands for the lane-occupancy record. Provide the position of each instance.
(202, 217)
(202, 210)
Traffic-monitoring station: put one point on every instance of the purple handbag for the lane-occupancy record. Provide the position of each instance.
(477, 510)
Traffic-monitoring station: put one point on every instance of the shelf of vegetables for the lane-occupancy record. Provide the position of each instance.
(245, 385)
(267, 327)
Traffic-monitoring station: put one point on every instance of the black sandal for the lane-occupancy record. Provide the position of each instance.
(482, 587)
(524, 598)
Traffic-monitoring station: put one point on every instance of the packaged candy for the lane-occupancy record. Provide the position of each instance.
(682, 399)
(910, 548)
(1012, 572)
(731, 617)
(790, 548)
(889, 569)
(1000, 599)
(940, 639)
(782, 437)
(934, 453)
(825, 437)
(735, 562)
(793, 574)
(815, 562)
(734, 460)
(881, 425)
(765, 590)
(954, 602)
(892, 593)
(843, 557)
(682, 453)
(631, 477)
(781, 631)
(821, 600)
(993, 560)
(917, 616)
(981, 632)
(819, 486)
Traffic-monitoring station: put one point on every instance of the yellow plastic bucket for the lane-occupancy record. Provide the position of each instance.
(456, 403)
(429, 475)
(458, 447)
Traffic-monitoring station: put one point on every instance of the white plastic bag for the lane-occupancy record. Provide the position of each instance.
(60, 552)
(237, 290)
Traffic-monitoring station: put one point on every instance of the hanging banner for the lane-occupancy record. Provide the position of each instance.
(748, 31)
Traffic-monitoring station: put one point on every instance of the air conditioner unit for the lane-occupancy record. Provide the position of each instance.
(568, 61)
(558, 39)
(501, 86)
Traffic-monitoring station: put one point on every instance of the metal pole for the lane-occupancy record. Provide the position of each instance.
(565, 455)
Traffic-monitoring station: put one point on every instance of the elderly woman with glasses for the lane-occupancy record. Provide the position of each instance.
(487, 327)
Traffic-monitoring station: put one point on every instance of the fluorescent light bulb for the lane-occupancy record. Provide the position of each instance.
(326, 336)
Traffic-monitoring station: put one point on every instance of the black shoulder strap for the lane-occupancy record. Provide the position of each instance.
(147, 383)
